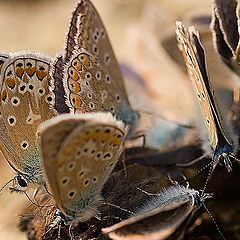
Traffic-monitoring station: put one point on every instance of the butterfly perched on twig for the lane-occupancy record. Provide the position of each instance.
(221, 142)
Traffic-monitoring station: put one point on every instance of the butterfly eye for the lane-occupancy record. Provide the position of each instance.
(22, 182)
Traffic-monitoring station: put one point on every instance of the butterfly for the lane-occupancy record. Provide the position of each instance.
(87, 77)
(164, 216)
(225, 32)
(25, 101)
(79, 152)
(222, 141)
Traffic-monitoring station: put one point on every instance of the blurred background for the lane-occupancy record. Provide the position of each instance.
(142, 35)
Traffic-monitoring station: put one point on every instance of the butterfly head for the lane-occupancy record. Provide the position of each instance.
(20, 183)
(200, 197)
(226, 155)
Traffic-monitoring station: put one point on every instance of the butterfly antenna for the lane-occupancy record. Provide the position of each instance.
(59, 231)
(1, 189)
(208, 179)
(118, 207)
(69, 231)
(214, 221)
(166, 119)
(200, 170)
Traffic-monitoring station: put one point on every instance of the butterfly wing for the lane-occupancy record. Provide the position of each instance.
(194, 56)
(24, 104)
(92, 78)
(3, 59)
(57, 87)
(226, 32)
(79, 153)
(157, 224)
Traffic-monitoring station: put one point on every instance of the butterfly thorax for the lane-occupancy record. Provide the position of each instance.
(128, 116)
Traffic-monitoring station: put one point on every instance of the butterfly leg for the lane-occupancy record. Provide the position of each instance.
(118, 207)
(228, 163)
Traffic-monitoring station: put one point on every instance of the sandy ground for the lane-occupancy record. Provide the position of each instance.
(41, 25)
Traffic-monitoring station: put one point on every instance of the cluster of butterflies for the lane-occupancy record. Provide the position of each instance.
(64, 122)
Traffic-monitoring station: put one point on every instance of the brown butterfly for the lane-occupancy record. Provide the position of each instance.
(222, 143)
(25, 102)
(87, 77)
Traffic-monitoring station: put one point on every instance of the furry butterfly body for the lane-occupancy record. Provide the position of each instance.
(165, 216)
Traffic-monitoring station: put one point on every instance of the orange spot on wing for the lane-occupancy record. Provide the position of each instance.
(19, 71)
(77, 65)
(73, 73)
(41, 74)
(74, 86)
(31, 70)
(75, 100)
(11, 82)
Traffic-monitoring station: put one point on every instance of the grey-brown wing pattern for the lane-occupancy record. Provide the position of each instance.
(92, 78)
(218, 134)
(79, 153)
(25, 102)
